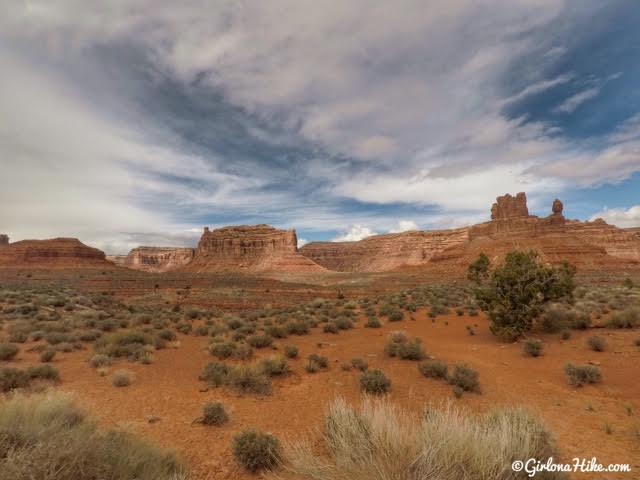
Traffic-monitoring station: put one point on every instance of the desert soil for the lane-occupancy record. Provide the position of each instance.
(169, 389)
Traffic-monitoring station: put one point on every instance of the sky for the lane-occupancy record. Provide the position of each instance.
(139, 122)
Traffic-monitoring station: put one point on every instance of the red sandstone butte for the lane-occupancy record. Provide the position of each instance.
(52, 253)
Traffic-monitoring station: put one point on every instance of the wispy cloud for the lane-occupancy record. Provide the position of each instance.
(620, 217)
(574, 101)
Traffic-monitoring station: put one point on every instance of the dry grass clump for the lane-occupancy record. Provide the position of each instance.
(400, 346)
(316, 362)
(290, 351)
(628, 318)
(122, 378)
(532, 347)
(375, 382)
(578, 375)
(255, 450)
(465, 379)
(244, 378)
(214, 413)
(597, 343)
(433, 369)
(8, 351)
(383, 441)
(46, 436)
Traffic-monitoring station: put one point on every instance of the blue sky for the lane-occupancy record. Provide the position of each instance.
(141, 122)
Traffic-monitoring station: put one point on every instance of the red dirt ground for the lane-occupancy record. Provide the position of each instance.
(169, 389)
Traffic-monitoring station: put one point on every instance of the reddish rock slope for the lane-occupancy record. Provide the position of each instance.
(157, 259)
(250, 248)
(384, 252)
(52, 253)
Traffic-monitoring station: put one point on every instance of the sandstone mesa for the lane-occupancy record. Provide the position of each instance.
(590, 245)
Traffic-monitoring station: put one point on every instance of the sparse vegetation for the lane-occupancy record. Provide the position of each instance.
(532, 347)
(291, 351)
(579, 375)
(256, 451)
(433, 369)
(597, 344)
(459, 446)
(49, 437)
(400, 346)
(375, 382)
(8, 351)
(465, 378)
(122, 378)
(214, 413)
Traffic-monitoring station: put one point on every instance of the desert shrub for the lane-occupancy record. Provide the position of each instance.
(243, 352)
(12, 378)
(249, 379)
(8, 351)
(465, 377)
(122, 378)
(47, 355)
(315, 363)
(532, 347)
(43, 372)
(444, 443)
(433, 369)
(375, 382)
(360, 364)
(565, 334)
(596, 343)
(297, 327)
(215, 373)
(274, 366)
(222, 350)
(578, 375)
(260, 341)
(100, 360)
(255, 450)
(124, 344)
(399, 346)
(167, 335)
(628, 318)
(49, 437)
(276, 332)
(557, 316)
(290, 351)
(214, 413)
(372, 322)
(395, 315)
(517, 291)
(323, 362)
(330, 328)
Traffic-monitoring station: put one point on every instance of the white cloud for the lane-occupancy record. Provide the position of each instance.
(620, 217)
(574, 101)
(355, 233)
(396, 85)
(302, 242)
(405, 226)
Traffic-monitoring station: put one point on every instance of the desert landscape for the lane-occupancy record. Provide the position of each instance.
(273, 335)
(301, 240)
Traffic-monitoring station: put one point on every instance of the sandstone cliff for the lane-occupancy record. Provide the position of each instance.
(383, 252)
(158, 259)
(251, 248)
(52, 253)
(588, 245)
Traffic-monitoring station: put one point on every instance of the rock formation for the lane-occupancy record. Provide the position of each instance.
(158, 259)
(384, 252)
(589, 245)
(251, 248)
(4, 240)
(510, 207)
(52, 253)
(118, 260)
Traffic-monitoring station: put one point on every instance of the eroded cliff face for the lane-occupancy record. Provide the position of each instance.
(588, 245)
(158, 259)
(251, 248)
(383, 252)
(52, 253)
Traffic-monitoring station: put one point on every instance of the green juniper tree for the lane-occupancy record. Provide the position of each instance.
(514, 293)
